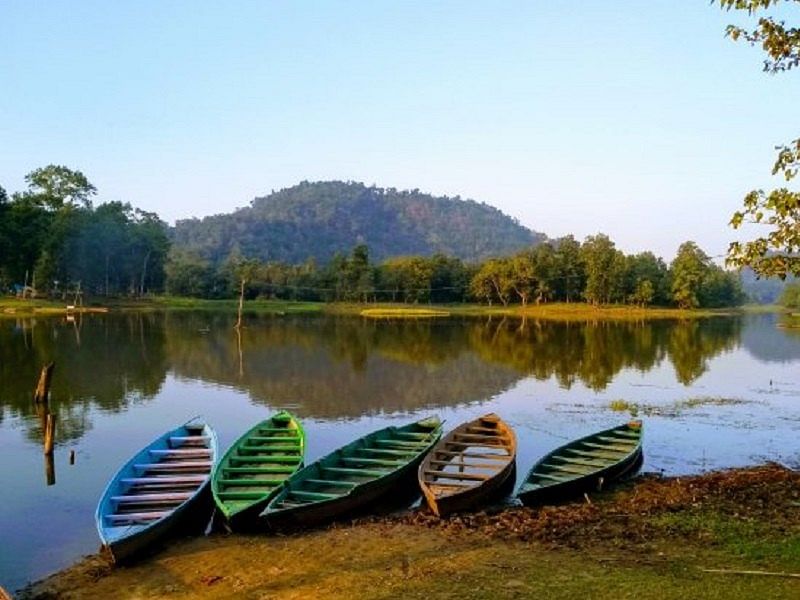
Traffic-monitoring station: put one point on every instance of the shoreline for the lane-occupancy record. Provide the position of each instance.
(650, 538)
(560, 312)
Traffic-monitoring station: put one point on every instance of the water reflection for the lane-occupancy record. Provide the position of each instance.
(104, 362)
(339, 367)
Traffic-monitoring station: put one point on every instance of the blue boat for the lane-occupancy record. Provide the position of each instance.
(158, 490)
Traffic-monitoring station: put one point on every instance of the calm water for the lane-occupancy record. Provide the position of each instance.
(713, 393)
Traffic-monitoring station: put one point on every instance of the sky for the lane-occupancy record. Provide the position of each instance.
(636, 119)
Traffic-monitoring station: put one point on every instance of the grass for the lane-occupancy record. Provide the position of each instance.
(558, 311)
(403, 313)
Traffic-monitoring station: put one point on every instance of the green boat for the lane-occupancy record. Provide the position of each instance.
(584, 465)
(255, 467)
(353, 476)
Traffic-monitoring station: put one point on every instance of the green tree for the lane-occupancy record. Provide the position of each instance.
(524, 277)
(643, 293)
(569, 273)
(360, 281)
(790, 298)
(776, 253)
(55, 186)
(605, 269)
(188, 275)
(688, 274)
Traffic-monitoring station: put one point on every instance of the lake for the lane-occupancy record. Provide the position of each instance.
(713, 393)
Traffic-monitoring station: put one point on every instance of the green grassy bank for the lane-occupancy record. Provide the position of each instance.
(575, 311)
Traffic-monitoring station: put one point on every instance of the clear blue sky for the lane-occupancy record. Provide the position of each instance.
(634, 118)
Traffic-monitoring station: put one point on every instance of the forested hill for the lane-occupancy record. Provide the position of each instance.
(321, 218)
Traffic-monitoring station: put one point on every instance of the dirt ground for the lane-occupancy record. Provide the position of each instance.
(654, 538)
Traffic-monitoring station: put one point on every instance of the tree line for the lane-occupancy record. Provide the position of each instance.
(563, 270)
(54, 239)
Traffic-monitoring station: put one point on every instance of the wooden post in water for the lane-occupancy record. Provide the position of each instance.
(49, 442)
(49, 433)
(49, 469)
(241, 305)
(42, 392)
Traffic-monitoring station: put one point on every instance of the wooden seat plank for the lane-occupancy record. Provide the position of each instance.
(251, 482)
(386, 451)
(170, 466)
(272, 458)
(145, 516)
(464, 476)
(254, 470)
(364, 472)
(373, 461)
(197, 479)
(176, 496)
(496, 466)
(331, 482)
(312, 495)
(503, 457)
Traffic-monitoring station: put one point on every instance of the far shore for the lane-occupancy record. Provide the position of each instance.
(557, 311)
(727, 534)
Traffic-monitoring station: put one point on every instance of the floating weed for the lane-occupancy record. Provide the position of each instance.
(624, 406)
(674, 409)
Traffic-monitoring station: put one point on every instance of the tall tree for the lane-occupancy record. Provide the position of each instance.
(55, 186)
(604, 266)
(569, 269)
(688, 273)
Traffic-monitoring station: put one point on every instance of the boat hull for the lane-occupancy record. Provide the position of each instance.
(352, 478)
(469, 493)
(247, 461)
(163, 489)
(594, 481)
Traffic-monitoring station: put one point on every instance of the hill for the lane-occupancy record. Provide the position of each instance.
(318, 219)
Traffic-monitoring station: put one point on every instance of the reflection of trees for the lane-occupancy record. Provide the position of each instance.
(100, 362)
(330, 367)
(692, 343)
(595, 352)
(340, 367)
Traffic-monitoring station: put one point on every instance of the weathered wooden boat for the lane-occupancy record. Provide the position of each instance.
(469, 465)
(587, 464)
(353, 476)
(254, 468)
(156, 491)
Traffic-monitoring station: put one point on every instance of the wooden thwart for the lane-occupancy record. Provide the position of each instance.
(165, 480)
(144, 498)
(503, 457)
(464, 476)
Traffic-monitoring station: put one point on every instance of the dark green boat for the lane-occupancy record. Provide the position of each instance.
(351, 477)
(584, 465)
(255, 467)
